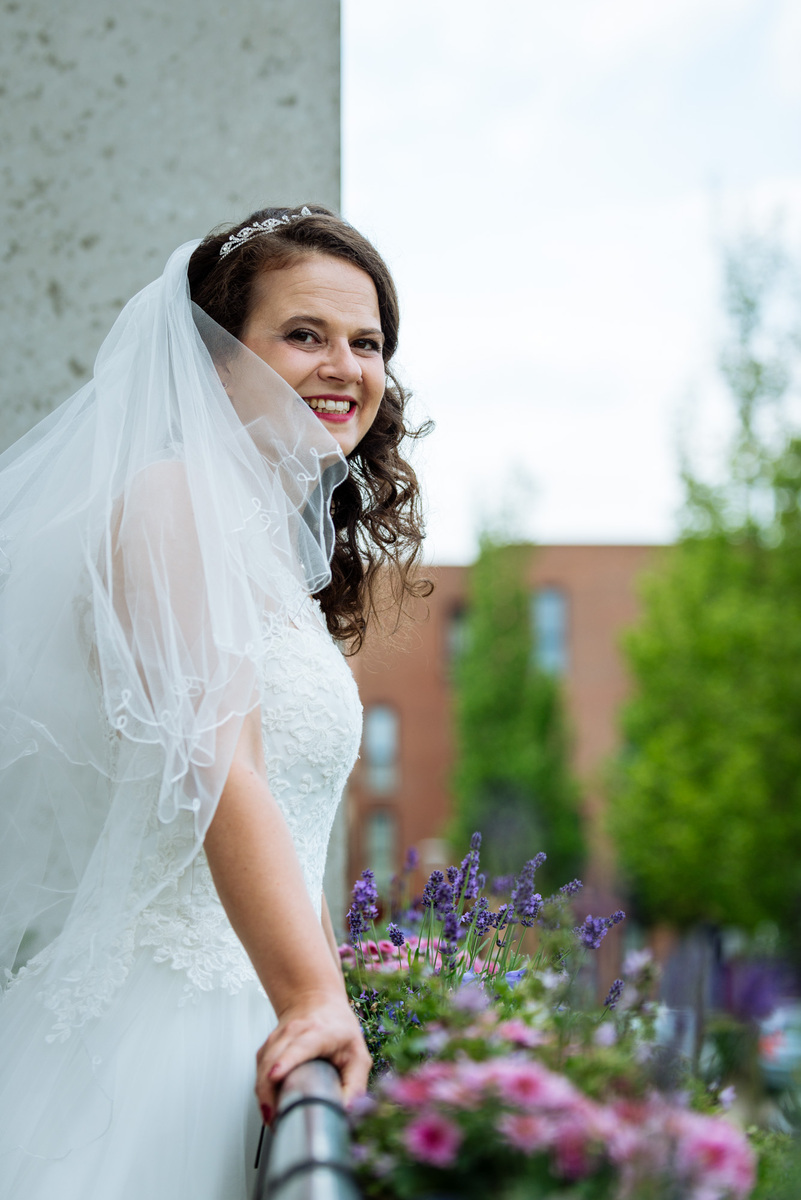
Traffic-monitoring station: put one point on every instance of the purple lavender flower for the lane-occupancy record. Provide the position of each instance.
(452, 874)
(525, 902)
(395, 934)
(479, 917)
(514, 977)
(450, 929)
(443, 900)
(466, 885)
(412, 859)
(501, 917)
(593, 930)
(429, 891)
(355, 923)
(572, 888)
(450, 935)
(365, 895)
(502, 884)
(363, 908)
(614, 994)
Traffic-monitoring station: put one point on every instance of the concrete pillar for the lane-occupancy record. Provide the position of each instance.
(126, 129)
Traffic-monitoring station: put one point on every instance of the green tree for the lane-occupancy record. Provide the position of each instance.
(512, 780)
(706, 799)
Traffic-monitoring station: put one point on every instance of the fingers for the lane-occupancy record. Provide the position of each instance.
(354, 1074)
(296, 1042)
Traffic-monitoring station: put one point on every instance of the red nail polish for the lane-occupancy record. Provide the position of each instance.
(266, 1114)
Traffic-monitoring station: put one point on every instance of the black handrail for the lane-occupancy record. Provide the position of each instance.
(307, 1154)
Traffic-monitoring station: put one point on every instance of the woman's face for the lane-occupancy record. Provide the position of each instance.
(317, 324)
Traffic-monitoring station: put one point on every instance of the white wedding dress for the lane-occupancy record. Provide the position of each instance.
(159, 1103)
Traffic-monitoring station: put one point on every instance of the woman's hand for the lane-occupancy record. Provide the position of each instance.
(314, 1025)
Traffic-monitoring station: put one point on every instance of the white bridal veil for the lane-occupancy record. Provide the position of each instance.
(154, 532)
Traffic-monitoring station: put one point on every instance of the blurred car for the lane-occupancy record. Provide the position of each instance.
(779, 1046)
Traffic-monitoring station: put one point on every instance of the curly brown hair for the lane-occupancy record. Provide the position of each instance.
(377, 510)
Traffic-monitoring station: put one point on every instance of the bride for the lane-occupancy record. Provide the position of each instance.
(185, 547)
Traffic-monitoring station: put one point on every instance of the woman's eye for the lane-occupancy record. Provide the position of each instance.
(368, 344)
(304, 336)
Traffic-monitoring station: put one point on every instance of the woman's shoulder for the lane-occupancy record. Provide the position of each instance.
(167, 473)
(159, 494)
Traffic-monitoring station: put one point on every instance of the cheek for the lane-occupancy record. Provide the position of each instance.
(290, 365)
(378, 383)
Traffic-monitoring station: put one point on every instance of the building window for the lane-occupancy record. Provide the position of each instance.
(381, 837)
(381, 747)
(549, 629)
(456, 637)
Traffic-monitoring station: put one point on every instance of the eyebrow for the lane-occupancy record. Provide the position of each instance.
(304, 319)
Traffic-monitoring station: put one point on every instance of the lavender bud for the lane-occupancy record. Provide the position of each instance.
(614, 994)
(500, 918)
(429, 891)
(412, 859)
(355, 923)
(395, 934)
(443, 899)
(450, 929)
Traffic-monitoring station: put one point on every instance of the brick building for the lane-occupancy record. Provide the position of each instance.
(583, 597)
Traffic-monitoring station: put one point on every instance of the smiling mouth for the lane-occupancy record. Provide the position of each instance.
(329, 409)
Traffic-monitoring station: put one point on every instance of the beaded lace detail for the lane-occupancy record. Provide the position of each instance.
(311, 726)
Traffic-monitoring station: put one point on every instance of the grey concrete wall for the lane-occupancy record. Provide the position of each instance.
(126, 129)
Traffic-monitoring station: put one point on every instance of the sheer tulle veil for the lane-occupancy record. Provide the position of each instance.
(156, 532)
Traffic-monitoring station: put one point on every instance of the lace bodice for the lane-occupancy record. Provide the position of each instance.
(311, 725)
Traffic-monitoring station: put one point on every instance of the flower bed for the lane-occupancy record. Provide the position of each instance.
(492, 1077)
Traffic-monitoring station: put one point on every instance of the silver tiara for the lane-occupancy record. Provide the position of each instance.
(272, 223)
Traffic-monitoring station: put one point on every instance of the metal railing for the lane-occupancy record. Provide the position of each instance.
(307, 1155)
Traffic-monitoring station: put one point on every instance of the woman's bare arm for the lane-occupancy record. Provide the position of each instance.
(328, 930)
(260, 883)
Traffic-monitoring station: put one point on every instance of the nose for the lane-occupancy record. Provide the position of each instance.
(340, 362)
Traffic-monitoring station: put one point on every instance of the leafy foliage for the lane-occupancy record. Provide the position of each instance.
(706, 800)
(512, 778)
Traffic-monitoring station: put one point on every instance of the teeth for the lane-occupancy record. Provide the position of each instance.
(338, 406)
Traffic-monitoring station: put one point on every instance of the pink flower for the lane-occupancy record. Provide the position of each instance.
(521, 1034)
(525, 1132)
(530, 1085)
(715, 1154)
(416, 1089)
(463, 1087)
(410, 1091)
(572, 1150)
(387, 949)
(433, 1139)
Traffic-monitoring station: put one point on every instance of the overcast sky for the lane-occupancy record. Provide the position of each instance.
(552, 183)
